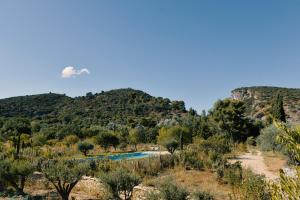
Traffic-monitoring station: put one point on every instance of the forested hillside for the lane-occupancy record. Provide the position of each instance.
(121, 106)
(258, 101)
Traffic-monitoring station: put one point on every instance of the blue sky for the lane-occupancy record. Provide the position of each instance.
(196, 51)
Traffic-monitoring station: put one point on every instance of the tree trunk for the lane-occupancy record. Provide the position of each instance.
(18, 146)
(22, 183)
(1, 187)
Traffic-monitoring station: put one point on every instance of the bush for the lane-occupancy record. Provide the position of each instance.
(217, 143)
(253, 187)
(190, 160)
(38, 139)
(120, 182)
(200, 195)
(251, 141)
(267, 139)
(233, 174)
(169, 191)
(71, 139)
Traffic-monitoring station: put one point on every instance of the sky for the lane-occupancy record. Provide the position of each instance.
(196, 51)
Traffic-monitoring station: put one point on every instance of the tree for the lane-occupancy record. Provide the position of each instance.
(15, 128)
(171, 145)
(229, 116)
(137, 135)
(120, 182)
(181, 134)
(15, 172)
(84, 147)
(107, 139)
(64, 175)
(277, 109)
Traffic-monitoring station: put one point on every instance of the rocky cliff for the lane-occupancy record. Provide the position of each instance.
(258, 101)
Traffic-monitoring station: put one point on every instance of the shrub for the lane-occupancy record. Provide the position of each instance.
(217, 143)
(253, 187)
(190, 160)
(84, 147)
(120, 182)
(172, 191)
(251, 141)
(38, 139)
(71, 139)
(233, 174)
(267, 139)
(200, 195)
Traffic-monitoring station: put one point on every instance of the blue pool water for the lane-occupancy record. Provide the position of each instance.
(123, 156)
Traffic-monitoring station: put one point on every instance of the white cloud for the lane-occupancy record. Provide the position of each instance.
(70, 71)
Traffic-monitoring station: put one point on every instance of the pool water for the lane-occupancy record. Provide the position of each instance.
(123, 156)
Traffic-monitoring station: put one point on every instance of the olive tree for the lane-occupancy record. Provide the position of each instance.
(84, 147)
(14, 128)
(120, 183)
(64, 175)
(107, 139)
(15, 173)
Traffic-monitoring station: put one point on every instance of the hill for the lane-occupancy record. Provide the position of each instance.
(258, 100)
(118, 106)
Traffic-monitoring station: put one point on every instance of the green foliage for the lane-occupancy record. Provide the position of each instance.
(181, 134)
(217, 143)
(171, 191)
(15, 173)
(233, 174)
(171, 145)
(106, 139)
(288, 186)
(38, 139)
(189, 159)
(120, 106)
(200, 195)
(64, 174)
(137, 135)
(84, 147)
(252, 187)
(14, 128)
(251, 141)
(120, 182)
(277, 110)
(71, 139)
(229, 115)
(267, 139)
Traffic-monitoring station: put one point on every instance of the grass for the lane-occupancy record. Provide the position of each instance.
(193, 180)
(274, 161)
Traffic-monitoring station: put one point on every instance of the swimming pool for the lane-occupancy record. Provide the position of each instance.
(124, 156)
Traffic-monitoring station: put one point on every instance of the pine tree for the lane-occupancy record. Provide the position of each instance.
(277, 110)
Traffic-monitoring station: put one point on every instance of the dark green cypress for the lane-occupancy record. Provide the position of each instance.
(277, 109)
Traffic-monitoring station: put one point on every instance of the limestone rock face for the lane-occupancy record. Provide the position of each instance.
(258, 101)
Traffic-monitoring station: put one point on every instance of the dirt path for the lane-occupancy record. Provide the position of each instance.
(255, 162)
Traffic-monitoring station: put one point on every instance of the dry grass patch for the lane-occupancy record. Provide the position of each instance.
(193, 180)
(274, 161)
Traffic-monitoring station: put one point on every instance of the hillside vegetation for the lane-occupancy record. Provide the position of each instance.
(60, 113)
(258, 101)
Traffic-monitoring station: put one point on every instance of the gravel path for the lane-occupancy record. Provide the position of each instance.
(255, 162)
